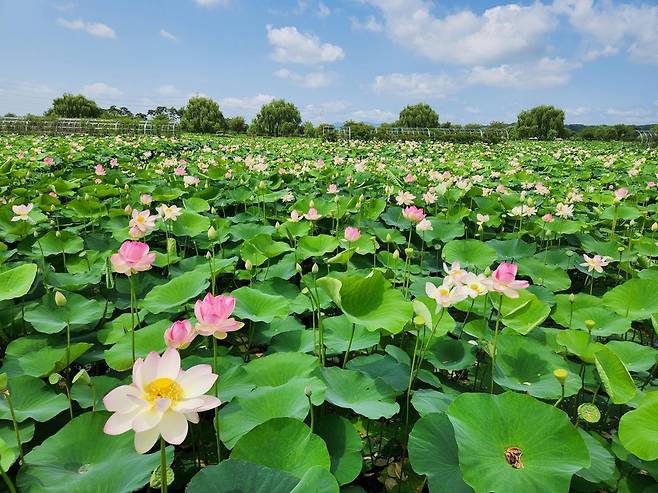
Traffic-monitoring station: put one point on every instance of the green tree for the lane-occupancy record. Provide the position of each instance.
(202, 115)
(541, 122)
(236, 124)
(173, 115)
(278, 117)
(360, 130)
(74, 106)
(308, 130)
(419, 115)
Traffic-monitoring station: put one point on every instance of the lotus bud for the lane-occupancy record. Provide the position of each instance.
(590, 324)
(35, 233)
(60, 299)
(208, 255)
(212, 233)
(128, 210)
(308, 391)
(654, 227)
(262, 185)
(277, 225)
(572, 298)
(311, 204)
(58, 233)
(315, 268)
(83, 377)
(396, 254)
(298, 268)
(388, 238)
(248, 264)
(409, 251)
(126, 187)
(561, 375)
(419, 320)
(213, 210)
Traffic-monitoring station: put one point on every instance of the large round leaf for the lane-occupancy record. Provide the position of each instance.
(171, 296)
(350, 389)
(344, 445)
(638, 429)
(433, 452)
(16, 282)
(469, 253)
(31, 398)
(617, 381)
(253, 304)
(40, 355)
(80, 458)
(48, 318)
(636, 299)
(147, 339)
(513, 442)
(291, 447)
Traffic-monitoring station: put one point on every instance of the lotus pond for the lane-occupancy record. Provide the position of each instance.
(243, 315)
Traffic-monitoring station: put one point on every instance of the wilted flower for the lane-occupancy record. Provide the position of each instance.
(160, 401)
(133, 257)
(213, 316)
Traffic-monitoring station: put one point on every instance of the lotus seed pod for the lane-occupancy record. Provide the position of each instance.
(58, 234)
(212, 233)
(409, 251)
(60, 299)
(561, 374)
(54, 378)
(590, 324)
(569, 253)
(589, 412)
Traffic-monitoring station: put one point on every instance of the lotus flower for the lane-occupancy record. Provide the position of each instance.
(352, 233)
(142, 222)
(212, 314)
(445, 295)
(413, 214)
(133, 257)
(21, 212)
(503, 280)
(160, 401)
(99, 170)
(179, 335)
(595, 263)
(169, 212)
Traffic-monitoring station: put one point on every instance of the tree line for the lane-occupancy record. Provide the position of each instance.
(282, 118)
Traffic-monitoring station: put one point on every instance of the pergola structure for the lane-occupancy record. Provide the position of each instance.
(498, 132)
(646, 135)
(71, 126)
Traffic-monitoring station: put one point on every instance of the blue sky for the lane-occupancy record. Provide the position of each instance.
(474, 61)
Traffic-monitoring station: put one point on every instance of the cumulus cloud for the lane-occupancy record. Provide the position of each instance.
(420, 85)
(374, 115)
(168, 36)
(547, 72)
(367, 24)
(611, 27)
(311, 80)
(245, 103)
(293, 46)
(498, 35)
(96, 29)
(101, 90)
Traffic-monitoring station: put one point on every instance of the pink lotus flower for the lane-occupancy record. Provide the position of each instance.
(213, 316)
(410, 178)
(21, 211)
(413, 214)
(312, 214)
(179, 171)
(503, 280)
(482, 218)
(295, 216)
(424, 225)
(651, 184)
(99, 170)
(429, 197)
(621, 193)
(595, 263)
(133, 257)
(160, 401)
(169, 212)
(404, 198)
(142, 223)
(145, 199)
(190, 180)
(500, 189)
(548, 218)
(48, 161)
(352, 233)
(333, 188)
(179, 335)
(113, 163)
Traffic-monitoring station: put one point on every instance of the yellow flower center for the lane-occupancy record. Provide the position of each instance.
(163, 388)
(140, 219)
(444, 292)
(475, 287)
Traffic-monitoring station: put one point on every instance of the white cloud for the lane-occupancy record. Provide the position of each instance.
(323, 10)
(97, 29)
(246, 103)
(611, 27)
(101, 90)
(547, 72)
(373, 115)
(633, 116)
(212, 3)
(167, 35)
(414, 85)
(578, 111)
(292, 46)
(499, 34)
(325, 112)
(168, 90)
(368, 24)
(311, 80)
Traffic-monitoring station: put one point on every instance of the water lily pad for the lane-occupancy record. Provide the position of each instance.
(513, 442)
(638, 429)
(40, 355)
(344, 445)
(433, 452)
(48, 318)
(147, 339)
(635, 299)
(469, 253)
(617, 381)
(171, 296)
(291, 447)
(16, 282)
(253, 304)
(80, 458)
(32, 399)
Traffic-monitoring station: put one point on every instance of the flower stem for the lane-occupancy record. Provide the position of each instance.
(163, 466)
(132, 314)
(16, 430)
(216, 391)
(349, 346)
(8, 482)
(495, 341)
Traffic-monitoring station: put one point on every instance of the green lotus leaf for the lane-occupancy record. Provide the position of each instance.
(617, 381)
(253, 304)
(40, 355)
(172, 296)
(147, 339)
(469, 253)
(17, 281)
(635, 299)
(48, 318)
(31, 398)
(638, 429)
(344, 445)
(513, 442)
